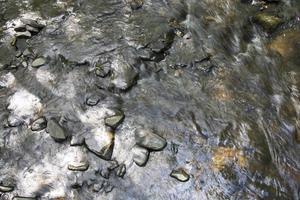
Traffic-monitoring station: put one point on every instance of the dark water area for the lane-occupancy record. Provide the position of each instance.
(150, 99)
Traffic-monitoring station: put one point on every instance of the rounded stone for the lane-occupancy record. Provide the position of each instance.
(38, 62)
(180, 174)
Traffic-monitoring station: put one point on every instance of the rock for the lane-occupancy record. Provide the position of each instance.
(101, 143)
(97, 187)
(13, 41)
(6, 189)
(149, 140)
(27, 52)
(24, 64)
(20, 28)
(113, 165)
(267, 21)
(105, 173)
(140, 155)
(32, 29)
(38, 62)
(92, 101)
(14, 121)
(121, 170)
(82, 166)
(18, 54)
(25, 35)
(107, 187)
(32, 23)
(180, 175)
(56, 131)
(136, 4)
(102, 70)
(124, 75)
(39, 124)
(115, 120)
(287, 44)
(77, 140)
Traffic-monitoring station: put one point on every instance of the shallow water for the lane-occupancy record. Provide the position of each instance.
(220, 89)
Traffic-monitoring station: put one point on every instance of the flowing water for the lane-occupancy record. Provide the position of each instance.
(222, 89)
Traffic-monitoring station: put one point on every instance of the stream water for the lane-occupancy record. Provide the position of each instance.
(218, 80)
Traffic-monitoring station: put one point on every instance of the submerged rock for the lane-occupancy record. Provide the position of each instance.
(56, 131)
(115, 120)
(32, 23)
(39, 124)
(140, 155)
(6, 189)
(136, 4)
(267, 21)
(180, 175)
(121, 170)
(38, 62)
(101, 143)
(25, 35)
(82, 166)
(150, 140)
(92, 101)
(124, 75)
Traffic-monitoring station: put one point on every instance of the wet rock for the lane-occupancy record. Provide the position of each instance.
(32, 29)
(56, 131)
(180, 175)
(287, 44)
(92, 101)
(136, 4)
(140, 155)
(102, 70)
(267, 21)
(97, 187)
(27, 52)
(124, 75)
(38, 62)
(115, 120)
(77, 141)
(32, 23)
(81, 166)
(101, 143)
(24, 35)
(20, 28)
(39, 124)
(6, 189)
(24, 64)
(107, 187)
(105, 173)
(121, 170)
(149, 140)
(113, 165)
(14, 121)
(18, 54)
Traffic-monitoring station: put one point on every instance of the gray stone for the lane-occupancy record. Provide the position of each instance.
(115, 120)
(148, 139)
(38, 62)
(32, 29)
(77, 140)
(180, 175)
(121, 170)
(101, 143)
(39, 124)
(6, 188)
(24, 198)
(25, 35)
(92, 101)
(107, 187)
(82, 166)
(32, 23)
(56, 131)
(124, 75)
(97, 187)
(140, 155)
(20, 28)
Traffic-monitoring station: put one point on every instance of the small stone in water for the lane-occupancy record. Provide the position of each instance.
(150, 140)
(92, 101)
(180, 175)
(20, 28)
(25, 34)
(121, 170)
(38, 62)
(83, 166)
(115, 120)
(77, 141)
(32, 23)
(140, 155)
(6, 189)
(39, 124)
(56, 131)
(32, 29)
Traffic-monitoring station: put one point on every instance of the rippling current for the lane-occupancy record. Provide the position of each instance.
(217, 80)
